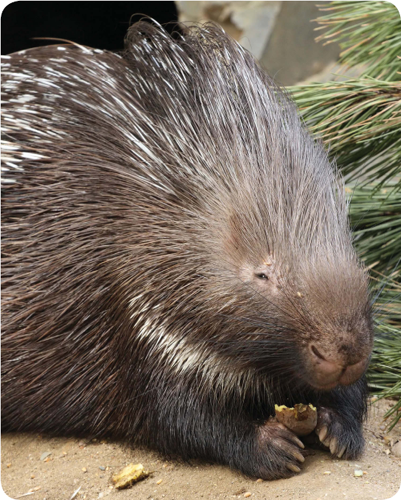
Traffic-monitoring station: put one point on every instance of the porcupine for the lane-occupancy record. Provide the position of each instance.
(176, 255)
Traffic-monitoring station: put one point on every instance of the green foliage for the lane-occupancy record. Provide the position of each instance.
(369, 33)
(385, 369)
(360, 121)
(375, 216)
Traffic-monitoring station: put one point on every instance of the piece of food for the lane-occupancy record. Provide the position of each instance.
(302, 419)
(129, 475)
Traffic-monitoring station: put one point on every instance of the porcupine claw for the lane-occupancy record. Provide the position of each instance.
(282, 448)
(341, 452)
(323, 433)
(333, 446)
(335, 433)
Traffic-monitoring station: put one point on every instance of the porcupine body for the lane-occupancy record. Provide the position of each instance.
(176, 255)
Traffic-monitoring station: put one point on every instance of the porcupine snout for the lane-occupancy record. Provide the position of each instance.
(339, 348)
(331, 371)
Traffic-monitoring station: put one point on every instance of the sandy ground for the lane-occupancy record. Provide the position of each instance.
(89, 466)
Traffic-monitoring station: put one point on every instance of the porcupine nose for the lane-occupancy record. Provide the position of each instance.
(329, 373)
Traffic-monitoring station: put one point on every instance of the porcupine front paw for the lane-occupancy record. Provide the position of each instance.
(278, 452)
(343, 437)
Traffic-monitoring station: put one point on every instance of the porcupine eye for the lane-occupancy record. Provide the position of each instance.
(261, 276)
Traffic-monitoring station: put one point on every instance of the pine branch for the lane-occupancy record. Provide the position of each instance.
(360, 121)
(376, 222)
(369, 33)
(385, 370)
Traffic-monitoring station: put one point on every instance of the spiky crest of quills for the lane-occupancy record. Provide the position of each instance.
(134, 184)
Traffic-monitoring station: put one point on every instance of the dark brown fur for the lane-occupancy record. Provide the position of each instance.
(174, 245)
